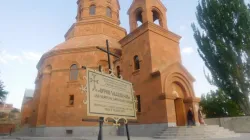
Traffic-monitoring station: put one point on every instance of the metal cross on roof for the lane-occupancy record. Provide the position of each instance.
(108, 54)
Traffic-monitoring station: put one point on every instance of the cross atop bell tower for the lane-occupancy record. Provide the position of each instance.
(98, 9)
(142, 11)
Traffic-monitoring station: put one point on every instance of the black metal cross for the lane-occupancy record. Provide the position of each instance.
(108, 54)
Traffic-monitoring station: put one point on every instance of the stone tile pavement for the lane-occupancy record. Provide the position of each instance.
(245, 136)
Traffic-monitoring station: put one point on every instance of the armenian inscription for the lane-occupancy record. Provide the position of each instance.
(109, 96)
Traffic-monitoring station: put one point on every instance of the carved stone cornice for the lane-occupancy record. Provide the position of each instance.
(100, 19)
(91, 21)
(192, 99)
(148, 26)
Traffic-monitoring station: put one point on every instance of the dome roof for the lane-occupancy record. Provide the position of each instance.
(88, 41)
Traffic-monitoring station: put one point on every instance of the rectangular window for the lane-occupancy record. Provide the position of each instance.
(71, 99)
(69, 132)
(92, 10)
(26, 120)
(138, 97)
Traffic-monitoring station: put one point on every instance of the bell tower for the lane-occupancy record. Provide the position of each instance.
(142, 11)
(98, 9)
(150, 53)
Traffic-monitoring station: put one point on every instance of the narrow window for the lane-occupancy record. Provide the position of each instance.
(73, 72)
(118, 70)
(109, 12)
(136, 62)
(138, 97)
(71, 99)
(92, 10)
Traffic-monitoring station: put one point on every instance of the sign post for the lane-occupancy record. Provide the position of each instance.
(109, 97)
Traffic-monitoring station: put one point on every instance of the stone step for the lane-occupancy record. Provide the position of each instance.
(196, 132)
(193, 137)
(191, 128)
(202, 132)
(189, 138)
(195, 128)
(186, 131)
(188, 134)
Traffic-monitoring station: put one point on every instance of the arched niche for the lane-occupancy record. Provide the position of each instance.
(157, 16)
(180, 82)
(138, 17)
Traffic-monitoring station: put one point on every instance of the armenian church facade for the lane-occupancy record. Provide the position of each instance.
(149, 58)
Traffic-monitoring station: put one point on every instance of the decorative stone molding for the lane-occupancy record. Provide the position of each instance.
(148, 26)
(165, 96)
(192, 99)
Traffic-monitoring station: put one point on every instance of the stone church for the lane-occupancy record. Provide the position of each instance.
(149, 58)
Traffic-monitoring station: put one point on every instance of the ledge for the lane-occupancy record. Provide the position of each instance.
(136, 72)
(165, 96)
(149, 26)
(73, 82)
(155, 73)
(192, 99)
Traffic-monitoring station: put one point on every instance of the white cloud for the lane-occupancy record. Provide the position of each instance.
(187, 50)
(6, 57)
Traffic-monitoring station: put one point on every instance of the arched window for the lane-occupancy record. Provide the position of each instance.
(73, 72)
(139, 17)
(109, 12)
(156, 18)
(136, 62)
(92, 10)
(118, 70)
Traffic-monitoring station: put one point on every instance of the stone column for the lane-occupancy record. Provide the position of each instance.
(170, 108)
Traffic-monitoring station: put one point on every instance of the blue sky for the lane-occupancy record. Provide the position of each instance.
(29, 28)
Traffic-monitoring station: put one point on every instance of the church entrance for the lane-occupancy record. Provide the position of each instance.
(180, 112)
(180, 109)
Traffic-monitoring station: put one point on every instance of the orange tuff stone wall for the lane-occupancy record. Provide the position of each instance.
(26, 112)
(54, 88)
(164, 47)
(5, 128)
(147, 86)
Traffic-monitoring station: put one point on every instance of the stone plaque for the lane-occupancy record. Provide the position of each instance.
(109, 96)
